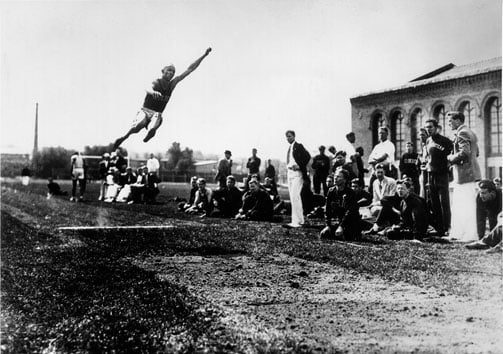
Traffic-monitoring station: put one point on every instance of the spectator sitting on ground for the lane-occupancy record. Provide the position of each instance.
(410, 221)
(257, 204)
(112, 185)
(383, 187)
(270, 187)
(118, 161)
(228, 200)
(341, 207)
(492, 240)
(54, 189)
(363, 198)
(145, 189)
(192, 195)
(25, 176)
(202, 201)
(340, 161)
(488, 207)
(125, 181)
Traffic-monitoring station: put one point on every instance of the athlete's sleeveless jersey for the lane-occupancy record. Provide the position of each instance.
(77, 161)
(158, 104)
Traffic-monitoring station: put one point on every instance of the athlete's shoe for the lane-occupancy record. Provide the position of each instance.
(477, 245)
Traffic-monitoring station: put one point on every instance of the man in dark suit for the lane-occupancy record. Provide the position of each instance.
(224, 169)
(228, 200)
(296, 160)
(341, 208)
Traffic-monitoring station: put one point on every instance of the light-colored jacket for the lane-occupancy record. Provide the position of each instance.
(464, 156)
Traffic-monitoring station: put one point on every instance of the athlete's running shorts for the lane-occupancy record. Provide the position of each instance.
(78, 173)
(145, 116)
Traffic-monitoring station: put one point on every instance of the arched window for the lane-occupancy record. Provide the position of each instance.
(377, 122)
(398, 133)
(439, 115)
(493, 124)
(469, 112)
(416, 123)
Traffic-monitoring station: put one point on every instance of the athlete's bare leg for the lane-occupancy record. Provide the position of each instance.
(153, 129)
(135, 129)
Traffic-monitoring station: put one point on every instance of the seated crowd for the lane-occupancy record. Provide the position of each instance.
(415, 207)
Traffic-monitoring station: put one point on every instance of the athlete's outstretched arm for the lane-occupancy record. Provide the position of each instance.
(193, 66)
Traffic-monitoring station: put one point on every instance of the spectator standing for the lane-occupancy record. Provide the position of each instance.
(78, 173)
(253, 165)
(383, 153)
(103, 167)
(437, 185)
(224, 168)
(497, 182)
(352, 155)
(270, 172)
(321, 168)
(153, 165)
(466, 173)
(423, 162)
(297, 159)
(410, 166)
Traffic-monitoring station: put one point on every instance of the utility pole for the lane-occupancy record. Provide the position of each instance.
(35, 142)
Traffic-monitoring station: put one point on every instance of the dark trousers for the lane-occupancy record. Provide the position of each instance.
(82, 186)
(438, 186)
(386, 215)
(318, 181)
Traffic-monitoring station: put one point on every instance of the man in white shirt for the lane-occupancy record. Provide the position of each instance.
(153, 164)
(383, 153)
(296, 162)
(382, 187)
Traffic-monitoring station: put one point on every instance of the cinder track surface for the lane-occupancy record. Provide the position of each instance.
(255, 287)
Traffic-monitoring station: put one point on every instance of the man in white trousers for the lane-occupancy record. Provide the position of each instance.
(297, 159)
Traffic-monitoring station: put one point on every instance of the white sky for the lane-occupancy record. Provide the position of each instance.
(275, 65)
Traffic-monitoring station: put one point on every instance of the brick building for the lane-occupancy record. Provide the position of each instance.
(474, 89)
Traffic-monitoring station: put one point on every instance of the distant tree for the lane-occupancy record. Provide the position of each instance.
(180, 161)
(99, 150)
(52, 162)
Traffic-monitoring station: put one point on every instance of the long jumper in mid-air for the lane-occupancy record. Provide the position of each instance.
(156, 99)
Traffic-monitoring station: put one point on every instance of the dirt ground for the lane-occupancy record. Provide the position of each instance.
(268, 301)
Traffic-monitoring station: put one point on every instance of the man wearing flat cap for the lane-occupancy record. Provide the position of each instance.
(224, 169)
